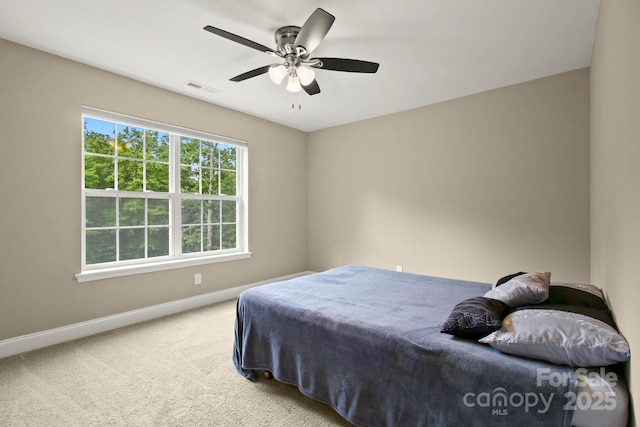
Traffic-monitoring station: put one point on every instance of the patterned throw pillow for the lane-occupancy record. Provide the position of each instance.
(475, 318)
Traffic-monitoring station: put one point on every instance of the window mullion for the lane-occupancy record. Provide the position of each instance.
(175, 210)
(146, 226)
(117, 226)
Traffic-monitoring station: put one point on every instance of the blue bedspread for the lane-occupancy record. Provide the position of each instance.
(367, 342)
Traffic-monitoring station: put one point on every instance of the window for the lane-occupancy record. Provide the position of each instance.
(157, 196)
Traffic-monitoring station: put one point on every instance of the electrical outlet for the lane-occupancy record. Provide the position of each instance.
(399, 268)
(197, 278)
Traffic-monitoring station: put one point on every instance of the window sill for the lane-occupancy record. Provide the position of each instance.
(108, 273)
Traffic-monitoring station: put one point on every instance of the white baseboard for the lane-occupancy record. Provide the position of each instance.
(21, 344)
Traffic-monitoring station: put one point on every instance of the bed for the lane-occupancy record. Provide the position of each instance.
(368, 343)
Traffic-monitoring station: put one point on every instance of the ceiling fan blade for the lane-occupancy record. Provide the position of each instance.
(238, 39)
(249, 74)
(312, 88)
(314, 30)
(348, 65)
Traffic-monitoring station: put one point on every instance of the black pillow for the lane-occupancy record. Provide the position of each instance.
(475, 318)
(509, 277)
(573, 300)
(559, 294)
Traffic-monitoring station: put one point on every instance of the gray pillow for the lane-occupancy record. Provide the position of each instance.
(559, 337)
(525, 289)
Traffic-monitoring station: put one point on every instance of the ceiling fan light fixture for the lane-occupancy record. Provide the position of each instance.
(277, 73)
(306, 74)
(294, 84)
(294, 46)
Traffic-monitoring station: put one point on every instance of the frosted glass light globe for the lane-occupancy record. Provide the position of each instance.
(294, 84)
(277, 72)
(306, 74)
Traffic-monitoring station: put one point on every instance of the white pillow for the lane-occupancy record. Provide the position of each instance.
(559, 337)
(525, 289)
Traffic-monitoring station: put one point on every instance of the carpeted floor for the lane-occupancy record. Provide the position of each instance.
(173, 371)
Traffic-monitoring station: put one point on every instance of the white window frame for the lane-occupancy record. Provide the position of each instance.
(176, 259)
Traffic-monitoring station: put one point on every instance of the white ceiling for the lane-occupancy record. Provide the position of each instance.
(429, 50)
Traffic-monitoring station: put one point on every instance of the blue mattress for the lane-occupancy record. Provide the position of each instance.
(367, 342)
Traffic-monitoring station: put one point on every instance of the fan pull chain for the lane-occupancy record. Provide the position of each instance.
(295, 99)
(293, 104)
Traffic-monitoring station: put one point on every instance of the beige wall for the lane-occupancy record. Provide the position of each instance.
(615, 168)
(473, 188)
(40, 172)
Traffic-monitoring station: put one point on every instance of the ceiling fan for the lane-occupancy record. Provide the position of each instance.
(294, 46)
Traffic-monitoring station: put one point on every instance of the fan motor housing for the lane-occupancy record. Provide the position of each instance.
(285, 38)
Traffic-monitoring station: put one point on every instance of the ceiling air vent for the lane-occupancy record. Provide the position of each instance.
(200, 86)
